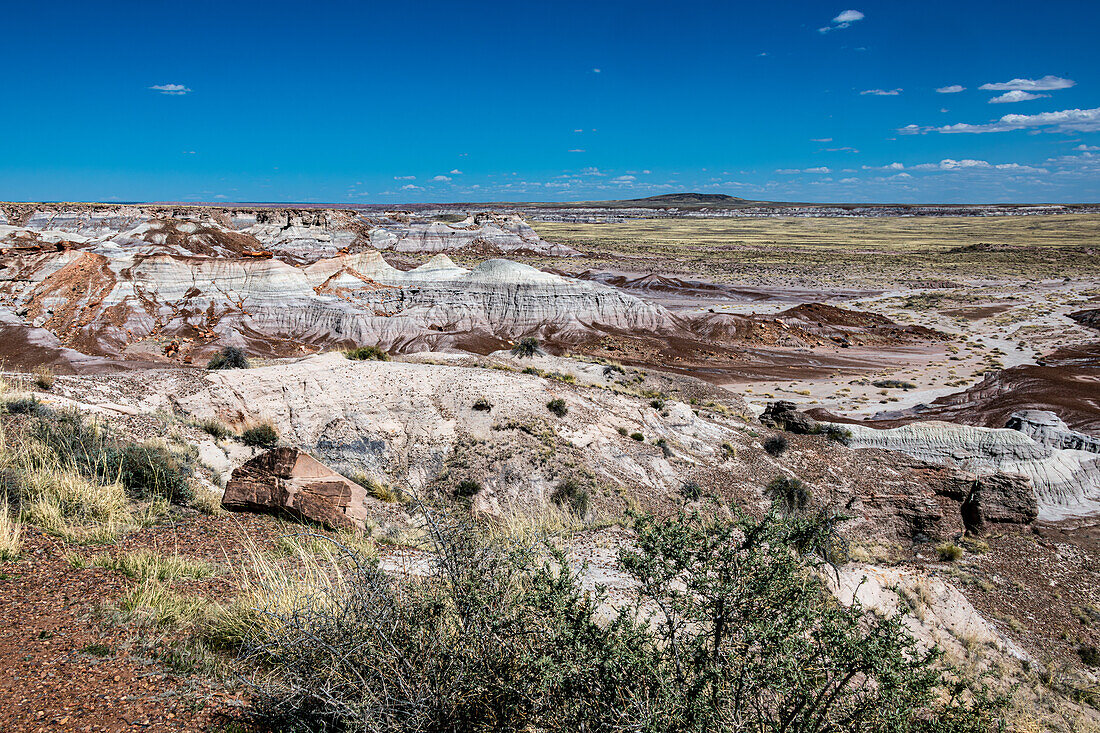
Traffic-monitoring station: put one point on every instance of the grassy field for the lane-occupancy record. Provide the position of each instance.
(855, 250)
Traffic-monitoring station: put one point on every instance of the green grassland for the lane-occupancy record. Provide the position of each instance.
(840, 250)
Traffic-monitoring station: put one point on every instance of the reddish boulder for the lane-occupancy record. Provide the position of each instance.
(287, 480)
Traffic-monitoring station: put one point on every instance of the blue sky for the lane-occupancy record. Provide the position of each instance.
(362, 102)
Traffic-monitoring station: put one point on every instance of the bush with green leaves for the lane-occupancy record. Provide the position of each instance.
(526, 348)
(466, 488)
(789, 494)
(149, 469)
(230, 357)
(572, 494)
(260, 435)
(367, 353)
(557, 406)
(732, 631)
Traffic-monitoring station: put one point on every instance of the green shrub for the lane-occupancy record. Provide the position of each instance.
(657, 404)
(367, 353)
(557, 406)
(570, 493)
(215, 428)
(230, 357)
(152, 469)
(506, 638)
(262, 435)
(949, 551)
(691, 491)
(482, 405)
(23, 406)
(637, 436)
(526, 348)
(789, 494)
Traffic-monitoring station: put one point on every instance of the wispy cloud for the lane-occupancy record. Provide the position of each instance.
(882, 92)
(404, 178)
(1045, 84)
(843, 20)
(793, 171)
(442, 179)
(1016, 96)
(1067, 120)
(175, 90)
(953, 89)
(456, 172)
(576, 150)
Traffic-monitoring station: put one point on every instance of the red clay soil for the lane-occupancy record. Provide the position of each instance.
(69, 667)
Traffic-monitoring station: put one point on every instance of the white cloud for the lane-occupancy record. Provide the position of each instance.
(595, 71)
(819, 169)
(882, 92)
(821, 140)
(793, 171)
(843, 20)
(623, 179)
(1083, 148)
(1046, 84)
(948, 164)
(1016, 96)
(646, 172)
(410, 187)
(1067, 120)
(592, 171)
(953, 89)
(404, 178)
(175, 90)
(576, 150)
(456, 172)
(442, 179)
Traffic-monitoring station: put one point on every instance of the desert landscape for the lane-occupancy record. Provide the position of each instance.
(572, 367)
(205, 407)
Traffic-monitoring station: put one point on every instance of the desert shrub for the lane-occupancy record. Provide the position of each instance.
(230, 357)
(214, 427)
(557, 406)
(893, 384)
(526, 348)
(775, 445)
(637, 436)
(611, 370)
(501, 637)
(691, 491)
(145, 470)
(378, 489)
(535, 371)
(949, 551)
(481, 404)
(1089, 654)
(657, 404)
(29, 405)
(367, 353)
(152, 469)
(466, 488)
(789, 494)
(261, 435)
(838, 434)
(666, 449)
(572, 494)
(44, 377)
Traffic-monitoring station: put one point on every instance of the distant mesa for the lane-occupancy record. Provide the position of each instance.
(690, 199)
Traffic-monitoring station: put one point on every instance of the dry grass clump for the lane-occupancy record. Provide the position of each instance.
(11, 533)
(147, 564)
(207, 502)
(44, 377)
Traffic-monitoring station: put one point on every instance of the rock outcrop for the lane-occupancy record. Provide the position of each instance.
(1046, 428)
(1065, 482)
(285, 480)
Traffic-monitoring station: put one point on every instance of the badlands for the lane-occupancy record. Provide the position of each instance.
(929, 375)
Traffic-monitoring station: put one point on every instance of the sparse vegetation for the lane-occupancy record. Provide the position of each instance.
(11, 533)
(467, 488)
(260, 435)
(789, 494)
(526, 348)
(572, 494)
(44, 377)
(949, 551)
(775, 445)
(230, 357)
(501, 638)
(557, 406)
(214, 427)
(481, 404)
(367, 353)
(146, 564)
(637, 436)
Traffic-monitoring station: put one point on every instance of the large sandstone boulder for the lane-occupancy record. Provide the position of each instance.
(783, 415)
(287, 480)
